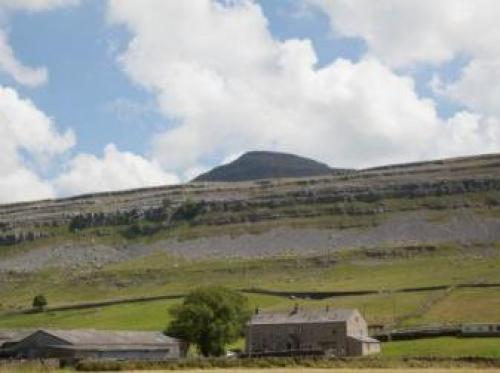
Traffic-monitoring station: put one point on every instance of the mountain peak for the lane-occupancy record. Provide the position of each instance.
(255, 165)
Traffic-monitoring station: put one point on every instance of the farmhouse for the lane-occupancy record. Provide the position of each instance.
(94, 344)
(335, 332)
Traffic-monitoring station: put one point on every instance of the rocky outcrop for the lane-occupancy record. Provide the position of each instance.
(460, 183)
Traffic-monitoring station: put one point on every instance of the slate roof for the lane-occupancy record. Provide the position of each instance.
(100, 347)
(14, 335)
(110, 338)
(302, 316)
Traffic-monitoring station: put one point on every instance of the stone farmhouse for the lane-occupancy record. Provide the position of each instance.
(73, 345)
(332, 332)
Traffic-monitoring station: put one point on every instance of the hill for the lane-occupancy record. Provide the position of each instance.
(429, 224)
(267, 165)
(443, 201)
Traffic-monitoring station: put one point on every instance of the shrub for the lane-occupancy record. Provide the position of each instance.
(39, 302)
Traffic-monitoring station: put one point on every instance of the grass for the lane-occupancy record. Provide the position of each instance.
(161, 274)
(134, 316)
(377, 308)
(444, 347)
(380, 308)
(464, 305)
(29, 367)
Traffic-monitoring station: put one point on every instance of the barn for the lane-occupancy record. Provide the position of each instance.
(98, 344)
(10, 337)
(334, 332)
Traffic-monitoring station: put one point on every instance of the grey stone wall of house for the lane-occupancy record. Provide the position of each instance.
(297, 337)
(333, 332)
(356, 325)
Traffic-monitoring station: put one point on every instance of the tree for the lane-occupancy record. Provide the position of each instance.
(39, 302)
(210, 318)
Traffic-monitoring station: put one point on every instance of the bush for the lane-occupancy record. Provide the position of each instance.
(211, 318)
(188, 211)
(39, 302)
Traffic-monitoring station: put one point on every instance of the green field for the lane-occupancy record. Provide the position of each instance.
(160, 274)
(444, 347)
(154, 315)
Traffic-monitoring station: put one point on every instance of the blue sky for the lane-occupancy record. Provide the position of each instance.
(80, 51)
(206, 81)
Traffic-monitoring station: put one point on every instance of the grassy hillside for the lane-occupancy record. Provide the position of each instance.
(385, 270)
(376, 269)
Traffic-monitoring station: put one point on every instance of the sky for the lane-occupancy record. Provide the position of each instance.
(99, 95)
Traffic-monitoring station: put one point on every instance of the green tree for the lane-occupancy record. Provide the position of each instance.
(210, 318)
(39, 302)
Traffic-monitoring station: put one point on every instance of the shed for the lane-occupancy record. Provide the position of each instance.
(361, 346)
(9, 337)
(98, 344)
(480, 330)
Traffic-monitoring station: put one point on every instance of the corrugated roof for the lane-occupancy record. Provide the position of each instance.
(302, 316)
(110, 337)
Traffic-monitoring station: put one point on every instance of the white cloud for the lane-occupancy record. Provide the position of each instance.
(9, 64)
(26, 130)
(116, 170)
(19, 72)
(21, 184)
(30, 141)
(402, 33)
(230, 86)
(478, 87)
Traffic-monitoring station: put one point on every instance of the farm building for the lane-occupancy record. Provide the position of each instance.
(480, 330)
(9, 338)
(94, 344)
(336, 332)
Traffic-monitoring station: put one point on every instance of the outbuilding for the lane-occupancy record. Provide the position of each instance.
(480, 330)
(98, 344)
